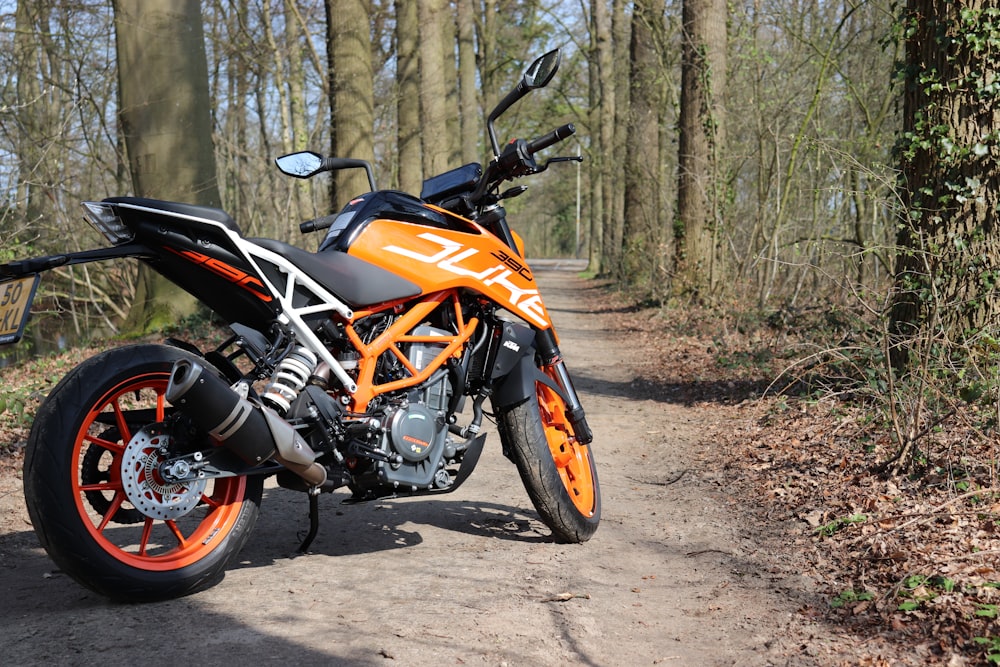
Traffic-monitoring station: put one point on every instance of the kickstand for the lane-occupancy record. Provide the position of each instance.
(313, 522)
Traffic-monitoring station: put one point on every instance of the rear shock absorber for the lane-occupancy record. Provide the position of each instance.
(289, 378)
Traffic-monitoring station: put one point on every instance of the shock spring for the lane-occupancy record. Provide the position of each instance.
(289, 378)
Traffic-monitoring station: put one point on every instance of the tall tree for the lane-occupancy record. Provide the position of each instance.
(615, 218)
(948, 268)
(640, 254)
(433, 17)
(408, 96)
(164, 113)
(293, 56)
(602, 124)
(352, 95)
(32, 109)
(702, 137)
(232, 43)
(486, 53)
(449, 60)
(467, 95)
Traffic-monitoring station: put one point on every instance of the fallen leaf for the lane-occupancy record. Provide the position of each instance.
(563, 597)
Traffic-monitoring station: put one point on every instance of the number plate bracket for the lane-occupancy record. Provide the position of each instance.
(15, 306)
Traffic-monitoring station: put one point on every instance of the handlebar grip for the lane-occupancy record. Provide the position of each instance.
(552, 137)
(316, 225)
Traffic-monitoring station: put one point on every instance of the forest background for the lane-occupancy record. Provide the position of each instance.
(801, 121)
(811, 186)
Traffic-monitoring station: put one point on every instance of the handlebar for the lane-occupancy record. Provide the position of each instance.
(319, 223)
(517, 160)
(552, 137)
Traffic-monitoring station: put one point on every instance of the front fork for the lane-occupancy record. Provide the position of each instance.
(494, 218)
(545, 343)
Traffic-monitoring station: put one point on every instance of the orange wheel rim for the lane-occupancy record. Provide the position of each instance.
(123, 532)
(571, 457)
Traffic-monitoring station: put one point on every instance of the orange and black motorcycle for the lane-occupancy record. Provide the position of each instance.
(347, 367)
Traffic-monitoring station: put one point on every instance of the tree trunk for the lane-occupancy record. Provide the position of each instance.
(277, 67)
(641, 231)
(948, 267)
(486, 55)
(615, 217)
(37, 118)
(163, 82)
(702, 135)
(453, 122)
(352, 96)
(467, 95)
(602, 124)
(408, 100)
(236, 137)
(436, 143)
(294, 57)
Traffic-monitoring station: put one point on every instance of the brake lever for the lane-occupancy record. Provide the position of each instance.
(574, 158)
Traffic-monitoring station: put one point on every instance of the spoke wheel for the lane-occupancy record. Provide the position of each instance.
(95, 471)
(95, 496)
(159, 541)
(557, 470)
(571, 458)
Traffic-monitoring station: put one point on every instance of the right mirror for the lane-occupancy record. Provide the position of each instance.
(540, 72)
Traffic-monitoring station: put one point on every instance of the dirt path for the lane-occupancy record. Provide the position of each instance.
(671, 577)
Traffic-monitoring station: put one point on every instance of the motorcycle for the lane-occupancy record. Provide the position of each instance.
(346, 367)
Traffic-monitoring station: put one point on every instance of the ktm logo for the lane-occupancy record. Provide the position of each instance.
(416, 445)
(230, 273)
(528, 301)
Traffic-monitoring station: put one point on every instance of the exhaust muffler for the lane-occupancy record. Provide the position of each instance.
(255, 433)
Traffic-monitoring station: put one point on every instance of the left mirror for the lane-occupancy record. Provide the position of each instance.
(300, 165)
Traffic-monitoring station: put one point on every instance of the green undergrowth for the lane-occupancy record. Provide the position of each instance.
(24, 383)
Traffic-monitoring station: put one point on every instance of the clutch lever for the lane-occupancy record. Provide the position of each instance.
(513, 192)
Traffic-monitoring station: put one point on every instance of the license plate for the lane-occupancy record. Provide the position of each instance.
(15, 305)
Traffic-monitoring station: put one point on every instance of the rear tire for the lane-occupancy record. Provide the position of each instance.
(77, 490)
(558, 472)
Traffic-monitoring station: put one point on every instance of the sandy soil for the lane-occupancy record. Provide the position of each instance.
(673, 576)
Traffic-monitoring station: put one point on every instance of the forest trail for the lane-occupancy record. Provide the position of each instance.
(673, 575)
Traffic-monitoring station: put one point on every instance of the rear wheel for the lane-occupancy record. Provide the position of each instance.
(96, 500)
(557, 470)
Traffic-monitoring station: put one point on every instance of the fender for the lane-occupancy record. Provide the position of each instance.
(519, 384)
(26, 267)
(514, 369)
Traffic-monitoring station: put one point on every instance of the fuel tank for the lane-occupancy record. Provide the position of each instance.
(436, 250)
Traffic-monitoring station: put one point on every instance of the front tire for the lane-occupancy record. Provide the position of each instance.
(558, 471)
(78, 491)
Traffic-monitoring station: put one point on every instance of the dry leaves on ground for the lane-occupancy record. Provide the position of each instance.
(907, 566)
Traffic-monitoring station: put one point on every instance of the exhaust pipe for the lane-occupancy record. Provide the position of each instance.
(254, 433)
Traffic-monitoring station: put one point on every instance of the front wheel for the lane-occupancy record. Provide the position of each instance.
(558, 471)
(96, 500)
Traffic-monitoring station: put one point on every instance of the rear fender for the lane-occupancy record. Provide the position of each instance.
(25, 267)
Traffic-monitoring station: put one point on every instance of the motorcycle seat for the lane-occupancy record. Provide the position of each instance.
(357, 282)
